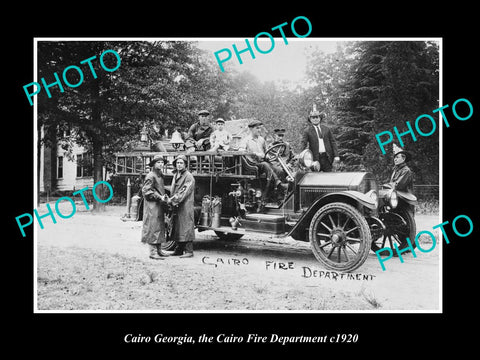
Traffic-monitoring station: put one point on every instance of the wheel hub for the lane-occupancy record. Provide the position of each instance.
(338, 237)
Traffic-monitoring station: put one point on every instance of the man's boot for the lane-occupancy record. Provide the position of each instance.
(188, 250)
(162, 253)
(178, 249)
(154, 253)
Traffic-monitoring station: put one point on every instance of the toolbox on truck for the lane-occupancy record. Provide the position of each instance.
(272, 224)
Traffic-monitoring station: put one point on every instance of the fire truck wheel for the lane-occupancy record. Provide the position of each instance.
(399, 225)
(340, 237)
(228, 236)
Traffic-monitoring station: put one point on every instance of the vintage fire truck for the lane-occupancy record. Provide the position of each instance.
(343, 215)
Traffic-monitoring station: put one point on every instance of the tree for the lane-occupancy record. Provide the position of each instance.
(105, 112)
(375, 86)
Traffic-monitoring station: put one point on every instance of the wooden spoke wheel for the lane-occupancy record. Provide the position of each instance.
(340, 237)
(399, 224)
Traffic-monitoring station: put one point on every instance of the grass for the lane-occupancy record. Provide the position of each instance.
(369, 298)
(427, 207)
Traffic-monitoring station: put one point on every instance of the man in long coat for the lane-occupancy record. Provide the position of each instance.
(153, 190)
(319, 139)
(182, 199)
(402, 176)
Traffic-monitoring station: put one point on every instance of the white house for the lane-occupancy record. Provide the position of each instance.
(62, 171)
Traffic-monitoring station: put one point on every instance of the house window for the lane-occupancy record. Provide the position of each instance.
(84, 165)
(121, 164)
(139, 164)
(60, 167)
(129, 164)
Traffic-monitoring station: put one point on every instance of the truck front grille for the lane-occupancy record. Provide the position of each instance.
(309, 195)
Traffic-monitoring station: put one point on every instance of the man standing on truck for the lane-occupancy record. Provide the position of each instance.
(319, 139)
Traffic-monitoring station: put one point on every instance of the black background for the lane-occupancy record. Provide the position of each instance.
(380, 334)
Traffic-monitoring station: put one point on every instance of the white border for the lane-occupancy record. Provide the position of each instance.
(439, 240)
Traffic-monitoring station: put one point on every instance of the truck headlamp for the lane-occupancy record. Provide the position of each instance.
(374, 196)
(306, 158)
(392, 198)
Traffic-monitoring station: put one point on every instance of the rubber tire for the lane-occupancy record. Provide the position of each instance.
(365, 237)
(410, 220)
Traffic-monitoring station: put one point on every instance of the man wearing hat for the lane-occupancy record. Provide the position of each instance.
(319, 139)
(198, 136)
(182, 198)
(287, 154)
(256, 144)
(402, 176)
(153, 229)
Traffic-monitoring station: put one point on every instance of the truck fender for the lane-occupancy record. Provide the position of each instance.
(407, 197)
(351, 197)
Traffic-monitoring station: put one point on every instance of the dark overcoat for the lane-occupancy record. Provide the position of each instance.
(153, 230)
(182, 193)
(197, 132)
(310, 141)
(402, 178)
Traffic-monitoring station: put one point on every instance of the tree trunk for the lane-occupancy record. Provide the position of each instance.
(47, 142)
(98, 176)
(97, 149)
(39, 160)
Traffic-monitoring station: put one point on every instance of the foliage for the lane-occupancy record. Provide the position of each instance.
(363, 87)
(102, 114)
(371, 86)
(427, 207)
(145, 90)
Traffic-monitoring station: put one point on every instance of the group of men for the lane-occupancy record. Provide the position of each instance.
(202, 136)
(316, 137)
(182, 229)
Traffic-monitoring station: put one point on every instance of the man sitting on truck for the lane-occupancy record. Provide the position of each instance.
(286, 154)
(255, 144)
(198, 137)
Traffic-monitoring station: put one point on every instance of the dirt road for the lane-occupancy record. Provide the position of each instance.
(96, 262)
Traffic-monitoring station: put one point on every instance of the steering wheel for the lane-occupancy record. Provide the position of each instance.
(275, 151)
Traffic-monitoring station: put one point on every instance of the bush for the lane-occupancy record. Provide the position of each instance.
(427, 207)
(119, 185)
